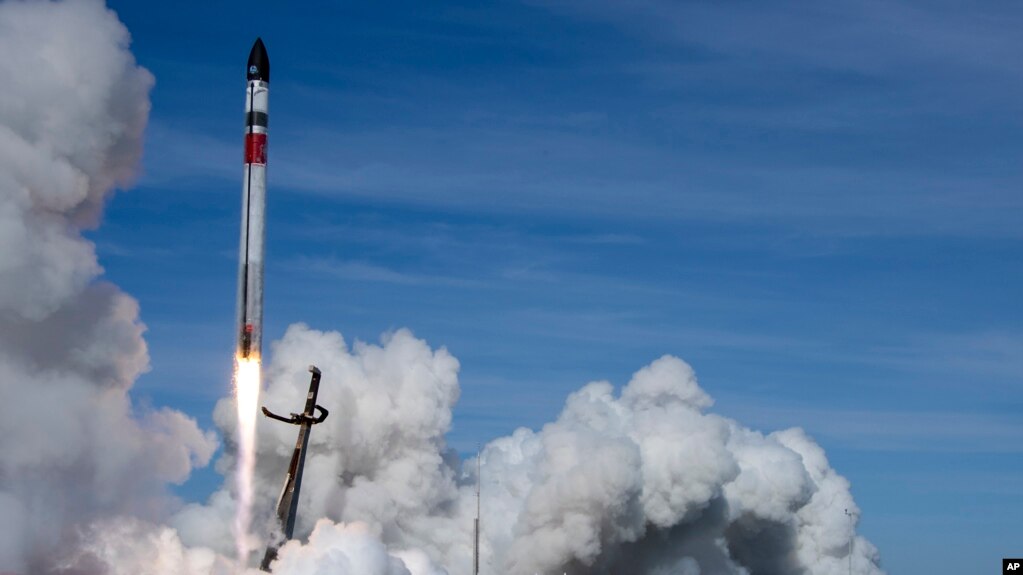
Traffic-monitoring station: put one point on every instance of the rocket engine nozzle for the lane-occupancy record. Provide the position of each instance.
(245, 343)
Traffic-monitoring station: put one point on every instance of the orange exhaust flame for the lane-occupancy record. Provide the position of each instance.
(246, 388)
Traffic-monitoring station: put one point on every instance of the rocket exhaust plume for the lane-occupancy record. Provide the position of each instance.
(250, 285)
(246, 381)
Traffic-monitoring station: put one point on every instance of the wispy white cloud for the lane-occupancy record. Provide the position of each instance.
(361, 271)
(888, 36)
(980, 356)
(183, 157)
(109, 248)
(523, 170)
(891, 430)
(953, 480)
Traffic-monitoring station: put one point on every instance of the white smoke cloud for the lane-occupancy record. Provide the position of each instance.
(130, 547)
(379, 458)
(72, 112)
(649, 482)
(641, 481)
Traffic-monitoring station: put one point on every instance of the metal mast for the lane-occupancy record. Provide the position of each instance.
(287, 505)
(476, 522)
(852, 521)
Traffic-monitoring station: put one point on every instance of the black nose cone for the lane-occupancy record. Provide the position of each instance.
(259, 62)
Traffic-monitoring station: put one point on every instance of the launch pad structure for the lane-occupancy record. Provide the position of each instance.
(287, 504)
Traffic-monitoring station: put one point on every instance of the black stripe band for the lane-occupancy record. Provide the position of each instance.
(256, 119)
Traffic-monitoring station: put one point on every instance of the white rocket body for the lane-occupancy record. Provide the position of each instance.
(253, 228)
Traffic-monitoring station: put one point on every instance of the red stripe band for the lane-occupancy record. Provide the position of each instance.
(255, 149)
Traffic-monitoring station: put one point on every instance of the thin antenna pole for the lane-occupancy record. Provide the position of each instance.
(851, 539)
(476, 522)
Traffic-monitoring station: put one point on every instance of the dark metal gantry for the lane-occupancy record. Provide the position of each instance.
(287, 505)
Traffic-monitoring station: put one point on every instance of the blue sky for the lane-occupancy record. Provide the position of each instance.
(817, 206)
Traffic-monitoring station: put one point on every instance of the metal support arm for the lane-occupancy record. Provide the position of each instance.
(300, 418)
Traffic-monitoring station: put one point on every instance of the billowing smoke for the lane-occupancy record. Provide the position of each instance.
(72, 111)
(645, 480)
(641, 481)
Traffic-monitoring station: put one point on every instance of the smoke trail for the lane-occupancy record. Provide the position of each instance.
(640, 479)
(246, 378)
(75, 447)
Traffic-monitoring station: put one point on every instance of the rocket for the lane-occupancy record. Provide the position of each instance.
(250, 264)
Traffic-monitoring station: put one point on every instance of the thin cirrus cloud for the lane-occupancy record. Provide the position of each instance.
(894, 430)
(525, 170)
(853, 119)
